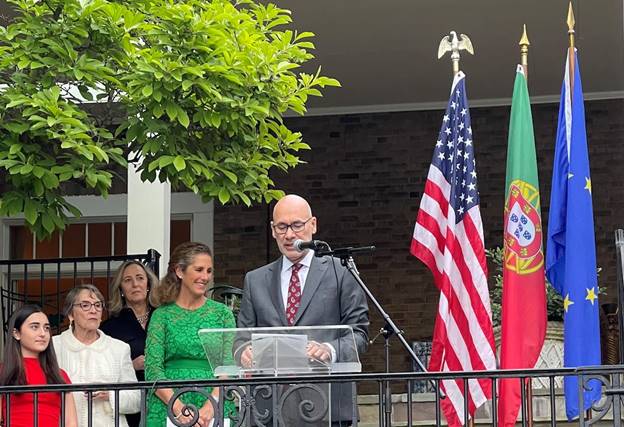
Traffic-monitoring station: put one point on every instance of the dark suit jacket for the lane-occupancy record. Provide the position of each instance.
(330, 297)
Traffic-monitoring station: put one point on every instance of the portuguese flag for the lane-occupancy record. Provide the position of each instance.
(524, 291)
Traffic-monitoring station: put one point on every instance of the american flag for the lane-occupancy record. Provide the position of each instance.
(448, 238)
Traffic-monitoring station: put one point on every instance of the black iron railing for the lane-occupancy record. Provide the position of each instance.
(46, 281)
(247, 393)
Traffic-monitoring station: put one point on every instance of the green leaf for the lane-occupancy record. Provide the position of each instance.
(85, 93)
(38, 187)
(179, 163)
(26, 169)
(183, 118)
(158, 111)
(91, 178)
(50, 180)
(165, 161)
(147, 90)
(231, 176)
(73, 210)
(55, 92)
(48, 223)
(224, 195)
(16, 127)
(245, 199)
(30, 212)
(172, 110)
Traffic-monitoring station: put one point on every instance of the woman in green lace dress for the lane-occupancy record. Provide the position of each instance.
(173, 350)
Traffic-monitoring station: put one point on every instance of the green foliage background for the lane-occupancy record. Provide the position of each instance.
(191, 91)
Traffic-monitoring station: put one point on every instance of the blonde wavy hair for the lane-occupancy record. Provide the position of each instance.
(117, 302)
(182, 256)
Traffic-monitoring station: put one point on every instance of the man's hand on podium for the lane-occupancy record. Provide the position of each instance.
(247, 357)
(318, 351)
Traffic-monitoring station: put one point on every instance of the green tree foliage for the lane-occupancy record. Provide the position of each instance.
(191, 91)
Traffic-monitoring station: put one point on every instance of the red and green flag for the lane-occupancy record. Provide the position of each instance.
(524, 290)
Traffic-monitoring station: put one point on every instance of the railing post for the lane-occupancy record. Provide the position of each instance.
(619, 249)
(529, 397)
(154, 261)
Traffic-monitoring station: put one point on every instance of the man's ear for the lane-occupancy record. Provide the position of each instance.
(313, 224)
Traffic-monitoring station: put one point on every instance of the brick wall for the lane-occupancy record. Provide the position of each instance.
(364, 178)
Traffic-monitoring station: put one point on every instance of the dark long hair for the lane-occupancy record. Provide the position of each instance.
(13, 372)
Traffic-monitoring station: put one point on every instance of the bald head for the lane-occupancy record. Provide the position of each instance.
(292, 211)
(292, 202)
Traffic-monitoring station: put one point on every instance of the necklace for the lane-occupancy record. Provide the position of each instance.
(143, 318)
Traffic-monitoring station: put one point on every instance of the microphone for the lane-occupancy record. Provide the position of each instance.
(301, 245)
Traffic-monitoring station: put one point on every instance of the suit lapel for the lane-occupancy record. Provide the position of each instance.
(317, 270)
(275, 289)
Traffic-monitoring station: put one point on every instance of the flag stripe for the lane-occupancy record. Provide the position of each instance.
(459, 348)
(462, 278)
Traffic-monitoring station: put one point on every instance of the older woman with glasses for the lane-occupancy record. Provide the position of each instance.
(88, 355)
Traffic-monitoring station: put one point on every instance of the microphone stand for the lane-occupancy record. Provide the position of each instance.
(389, 329)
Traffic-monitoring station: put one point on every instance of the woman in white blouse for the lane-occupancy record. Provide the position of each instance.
(88, 355)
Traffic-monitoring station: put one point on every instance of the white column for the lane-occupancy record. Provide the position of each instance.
(202, 226)
(149, 215)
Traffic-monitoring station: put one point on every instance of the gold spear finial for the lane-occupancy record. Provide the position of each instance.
(524, 51)
(570, 21)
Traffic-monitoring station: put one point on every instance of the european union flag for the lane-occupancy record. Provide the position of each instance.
(571, 248)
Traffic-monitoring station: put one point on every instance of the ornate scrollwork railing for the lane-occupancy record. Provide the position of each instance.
(256, 405)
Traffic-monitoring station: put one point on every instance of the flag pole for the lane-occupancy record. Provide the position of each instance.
(570, 21)
(524, 61)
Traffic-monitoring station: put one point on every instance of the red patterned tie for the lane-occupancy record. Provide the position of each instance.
(294, 295)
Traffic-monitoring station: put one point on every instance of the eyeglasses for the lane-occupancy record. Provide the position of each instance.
(296, 227)
(86, 305)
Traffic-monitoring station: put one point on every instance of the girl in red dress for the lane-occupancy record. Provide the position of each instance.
(29, 359)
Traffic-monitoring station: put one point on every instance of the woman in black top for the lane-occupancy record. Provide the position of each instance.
(130, 310)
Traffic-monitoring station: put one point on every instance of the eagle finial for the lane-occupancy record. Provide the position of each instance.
(453, 44)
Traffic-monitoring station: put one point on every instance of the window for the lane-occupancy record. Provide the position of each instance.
(84, 239)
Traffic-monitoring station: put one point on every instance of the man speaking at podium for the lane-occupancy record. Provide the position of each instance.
(299, 289)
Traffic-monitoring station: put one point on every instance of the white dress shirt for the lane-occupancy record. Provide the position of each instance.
(287, 272)
(285, 275)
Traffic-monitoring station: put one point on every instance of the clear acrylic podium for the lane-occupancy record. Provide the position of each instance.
(283, 352)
